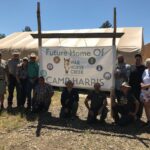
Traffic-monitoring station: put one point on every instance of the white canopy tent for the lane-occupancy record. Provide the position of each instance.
(146, 51)
(129, 44)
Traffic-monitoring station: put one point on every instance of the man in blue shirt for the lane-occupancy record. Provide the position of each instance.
(33, 72)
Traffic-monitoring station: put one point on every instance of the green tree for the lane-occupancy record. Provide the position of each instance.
(106, 24)
(27, 29)
(2, 36)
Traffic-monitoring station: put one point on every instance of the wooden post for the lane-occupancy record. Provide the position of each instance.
(115, 26)
(39, 25)
(112, 93)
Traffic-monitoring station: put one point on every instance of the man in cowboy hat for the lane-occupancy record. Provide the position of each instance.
(12, 81)
(127, 106)
(33, 72)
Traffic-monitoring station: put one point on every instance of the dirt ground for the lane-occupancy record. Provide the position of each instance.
(21, 130)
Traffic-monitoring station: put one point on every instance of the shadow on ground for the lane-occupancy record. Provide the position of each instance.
(45, 120)
(77, 125)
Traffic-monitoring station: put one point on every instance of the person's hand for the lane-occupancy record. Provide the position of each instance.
(91, 113)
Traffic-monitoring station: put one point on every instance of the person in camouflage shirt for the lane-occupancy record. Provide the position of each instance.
(42, 95)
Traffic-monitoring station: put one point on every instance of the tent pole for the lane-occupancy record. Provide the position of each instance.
(39, 25)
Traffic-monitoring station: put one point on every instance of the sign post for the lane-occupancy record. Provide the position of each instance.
(112, 92)
(112, 35)
(39, 25)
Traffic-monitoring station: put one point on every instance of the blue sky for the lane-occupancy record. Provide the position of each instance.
(73, 14)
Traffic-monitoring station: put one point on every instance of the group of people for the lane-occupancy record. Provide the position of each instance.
(20, 74)
(131, 92)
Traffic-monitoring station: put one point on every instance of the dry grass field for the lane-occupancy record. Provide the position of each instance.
(22, 130)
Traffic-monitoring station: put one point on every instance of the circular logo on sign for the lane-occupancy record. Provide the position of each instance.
(107, 75)
(97, 52)
(49, 66)
(99, 68)
(92, 60)
(43, 73)
(56, 59)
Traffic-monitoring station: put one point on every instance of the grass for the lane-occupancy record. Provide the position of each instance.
(23, 127)
(16, 119)
(9, 122)
(56, 99)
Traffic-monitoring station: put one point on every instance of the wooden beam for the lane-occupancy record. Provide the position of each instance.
(78, 35)
(115, 27)
(39, 25)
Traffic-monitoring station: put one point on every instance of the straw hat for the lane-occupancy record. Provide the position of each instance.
(25, 58)
(15, 52)
(32, 55)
